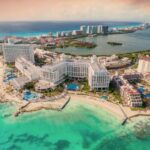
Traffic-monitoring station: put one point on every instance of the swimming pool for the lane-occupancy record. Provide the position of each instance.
(9, 77)
(28, 95)
(73, 87)
(141, 89)
(147, 96)
(104, 98)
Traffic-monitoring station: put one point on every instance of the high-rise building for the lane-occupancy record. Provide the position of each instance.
(93, 29)
(83, 29)
(99, 29)
(105, 30)
(58, 34)
(11, 52)
(63, 33)
(89, 30)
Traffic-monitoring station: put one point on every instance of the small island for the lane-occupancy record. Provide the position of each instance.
(114, 43)
(75, 43)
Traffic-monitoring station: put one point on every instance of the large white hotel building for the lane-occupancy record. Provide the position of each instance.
(97, 75)
(13, 51)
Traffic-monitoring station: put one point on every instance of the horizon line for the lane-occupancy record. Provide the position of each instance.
(73, 21)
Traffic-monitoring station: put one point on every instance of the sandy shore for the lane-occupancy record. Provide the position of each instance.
(118, 111)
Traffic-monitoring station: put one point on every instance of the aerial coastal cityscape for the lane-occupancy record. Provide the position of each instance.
(38, 78)
(75, 75)
(35, 78)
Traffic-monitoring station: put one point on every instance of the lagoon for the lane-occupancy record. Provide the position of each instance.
(132, 42)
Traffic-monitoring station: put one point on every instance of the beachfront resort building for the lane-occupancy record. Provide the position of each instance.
(29, 72)
(97, 75)
(13, 51)
(27, 68)
(130, 95)
(144, 65)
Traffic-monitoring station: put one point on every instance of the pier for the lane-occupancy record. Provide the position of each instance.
(134, 116)
(125, 116)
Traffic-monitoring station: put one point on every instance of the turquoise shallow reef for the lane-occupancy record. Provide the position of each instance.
(80, 126)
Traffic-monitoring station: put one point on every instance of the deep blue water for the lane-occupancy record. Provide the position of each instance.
(38, 28)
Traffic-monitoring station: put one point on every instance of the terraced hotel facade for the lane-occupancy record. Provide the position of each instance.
(97, 75)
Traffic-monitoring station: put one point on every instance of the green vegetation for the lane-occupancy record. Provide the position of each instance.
(131, 55)
(81, 44)
(73, 43)
(39, 61)
(54, 92)
(86, 86)
(113, 91)
(114, 43)
(29, 86)
(11, 65)
(134, 55)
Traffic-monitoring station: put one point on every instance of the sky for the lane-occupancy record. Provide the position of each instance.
(72, 10)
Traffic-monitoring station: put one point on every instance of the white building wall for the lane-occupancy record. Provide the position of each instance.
(12, 52)
(75, 69)
(141, 66)
(28, 69)
(144, 66)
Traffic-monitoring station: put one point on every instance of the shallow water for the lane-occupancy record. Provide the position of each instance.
(80, 126)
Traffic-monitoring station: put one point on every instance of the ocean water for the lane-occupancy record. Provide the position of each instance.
(29, 29)
(80, 126)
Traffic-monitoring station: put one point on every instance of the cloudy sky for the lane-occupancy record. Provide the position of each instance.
(71, 10)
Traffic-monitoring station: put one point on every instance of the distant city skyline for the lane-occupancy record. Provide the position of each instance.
(72, 10)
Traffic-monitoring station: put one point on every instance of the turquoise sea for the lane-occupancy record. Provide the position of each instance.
(80, 126)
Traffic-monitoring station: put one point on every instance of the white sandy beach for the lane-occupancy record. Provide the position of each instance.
(115, 109)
